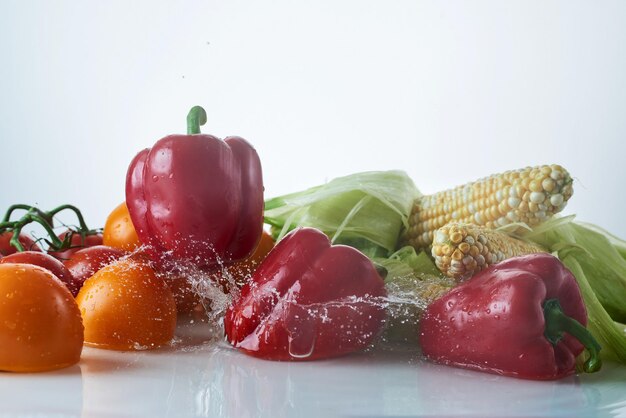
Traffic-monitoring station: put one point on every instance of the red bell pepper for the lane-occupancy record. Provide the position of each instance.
(197, 197)
(308, 300)
(524, 317)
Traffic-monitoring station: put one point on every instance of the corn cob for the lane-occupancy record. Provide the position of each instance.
(460, 250)
(530, 195)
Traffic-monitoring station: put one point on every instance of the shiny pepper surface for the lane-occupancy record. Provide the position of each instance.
(196, 197)
(308, 300)
(523, 317)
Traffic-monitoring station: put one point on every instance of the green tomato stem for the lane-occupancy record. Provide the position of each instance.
(28, 208)
(45, 219)
(15, 240)
(12, 209)
(77, 212)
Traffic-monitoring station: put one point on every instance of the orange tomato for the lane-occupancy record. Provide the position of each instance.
(119, 231)
(40, 324)
(125, 306)
(242, 270)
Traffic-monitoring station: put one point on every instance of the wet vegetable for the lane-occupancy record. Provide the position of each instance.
(125, 306)
(308, 300)
(37, 258)
(119, 231)
(86, 262)
(196, 197)
(593, 255)
(41, 324)
(524, 317)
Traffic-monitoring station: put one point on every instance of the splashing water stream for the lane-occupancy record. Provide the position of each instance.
(217, 289)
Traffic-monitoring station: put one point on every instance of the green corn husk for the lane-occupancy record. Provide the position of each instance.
(407, 262)
(365, 210)
(619, 244)
(600, 269)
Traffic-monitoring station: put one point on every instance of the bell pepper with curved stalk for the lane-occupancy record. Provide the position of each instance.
(196, 197)
(524, 317)
(308, 300)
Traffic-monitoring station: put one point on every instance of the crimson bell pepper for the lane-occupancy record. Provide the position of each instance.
(196, 197)
(308, 300)
(524, 317)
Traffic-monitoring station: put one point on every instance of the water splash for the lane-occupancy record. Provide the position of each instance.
(218, 287)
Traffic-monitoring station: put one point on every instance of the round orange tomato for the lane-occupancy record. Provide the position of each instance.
(40, 324)
(119, 231)
(125, 306)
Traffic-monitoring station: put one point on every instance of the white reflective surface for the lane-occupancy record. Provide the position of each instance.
(200, 378)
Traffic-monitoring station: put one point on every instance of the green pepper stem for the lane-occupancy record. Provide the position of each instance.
(195, 118)
(557, 323)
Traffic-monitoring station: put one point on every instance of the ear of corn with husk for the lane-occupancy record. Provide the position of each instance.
(529, 196)
(461, 250)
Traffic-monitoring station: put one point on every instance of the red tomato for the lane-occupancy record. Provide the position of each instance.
(27, 242)
(86, 262)
(77, 243)
(46, 261)
(41, 324)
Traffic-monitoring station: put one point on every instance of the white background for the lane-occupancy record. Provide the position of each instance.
(447, 91)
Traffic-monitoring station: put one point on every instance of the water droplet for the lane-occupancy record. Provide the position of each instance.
(300, 347)
(155, 178)
(247, 312)
(301, 327)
